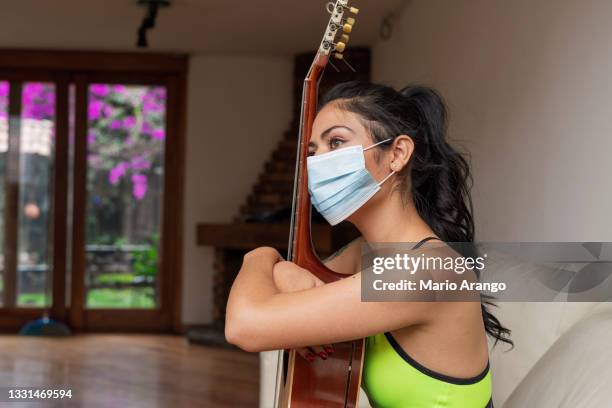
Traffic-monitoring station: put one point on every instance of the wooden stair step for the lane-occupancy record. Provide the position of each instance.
(269, 198)
(276, 177)
(247, 209)
(285, 188)
(285, 156)
(279, 167)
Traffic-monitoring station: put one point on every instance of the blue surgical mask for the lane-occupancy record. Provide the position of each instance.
(339, 182)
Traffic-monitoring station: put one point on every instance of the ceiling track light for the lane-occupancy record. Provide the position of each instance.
(149, 20)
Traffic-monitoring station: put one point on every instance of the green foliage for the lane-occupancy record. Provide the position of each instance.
(145, 261)
(31, 300)
(121, 298)
(115, 278)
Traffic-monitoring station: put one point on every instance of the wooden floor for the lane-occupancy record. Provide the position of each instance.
(131, 371)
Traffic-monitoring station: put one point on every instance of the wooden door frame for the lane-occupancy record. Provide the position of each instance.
(81, 68)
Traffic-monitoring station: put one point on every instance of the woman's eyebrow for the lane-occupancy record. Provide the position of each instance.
(326, 133)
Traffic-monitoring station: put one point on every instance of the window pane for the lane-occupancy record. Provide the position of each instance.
(36, 151)
(125, 162)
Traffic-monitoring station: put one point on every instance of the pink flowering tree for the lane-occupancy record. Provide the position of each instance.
(126, 130)
(125, 142)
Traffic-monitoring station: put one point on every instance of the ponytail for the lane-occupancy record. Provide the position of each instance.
(438, 178)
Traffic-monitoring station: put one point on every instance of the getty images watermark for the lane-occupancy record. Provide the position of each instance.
(517, 271)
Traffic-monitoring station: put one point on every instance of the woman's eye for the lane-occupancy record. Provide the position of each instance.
(333, 143)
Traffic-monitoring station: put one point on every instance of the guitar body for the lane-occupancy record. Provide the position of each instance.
(333, 382)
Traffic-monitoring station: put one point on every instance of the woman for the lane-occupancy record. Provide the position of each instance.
(418, 354)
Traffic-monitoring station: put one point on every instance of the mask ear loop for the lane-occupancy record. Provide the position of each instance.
(392, 171)
(380, 183)
(376, 144)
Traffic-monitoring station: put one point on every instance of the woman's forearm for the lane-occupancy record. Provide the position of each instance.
(253, 286)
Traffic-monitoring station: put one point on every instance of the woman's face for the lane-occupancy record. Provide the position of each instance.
(335, 128)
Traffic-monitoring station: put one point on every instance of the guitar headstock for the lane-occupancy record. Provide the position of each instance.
(337, 32)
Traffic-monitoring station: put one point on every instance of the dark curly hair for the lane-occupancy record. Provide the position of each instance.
(438, 178)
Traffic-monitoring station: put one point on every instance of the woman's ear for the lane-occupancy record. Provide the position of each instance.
(401, 152)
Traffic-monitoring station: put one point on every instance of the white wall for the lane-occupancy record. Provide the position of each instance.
(238, 109)
(529, 89)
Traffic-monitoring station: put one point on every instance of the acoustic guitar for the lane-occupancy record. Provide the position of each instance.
(333, 382)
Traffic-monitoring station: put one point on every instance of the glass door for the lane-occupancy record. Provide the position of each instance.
(126, 130)
(121, 133)
(32, 119)
(27, 149)
(90, 185)
(91, 174)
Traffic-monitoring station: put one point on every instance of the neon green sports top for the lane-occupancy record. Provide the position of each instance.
(392, 379)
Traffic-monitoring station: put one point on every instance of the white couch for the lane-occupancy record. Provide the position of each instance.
(562, 357)
(555, 343)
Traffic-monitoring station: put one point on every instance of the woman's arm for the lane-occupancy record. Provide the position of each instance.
(260, 317)
(288, 277)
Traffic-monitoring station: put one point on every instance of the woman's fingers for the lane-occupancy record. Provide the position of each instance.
(306, 353)
(329, 349)
(320, 352)
(313, 352)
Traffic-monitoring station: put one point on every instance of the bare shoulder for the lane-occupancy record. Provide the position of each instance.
(458, 264)
(346, 260)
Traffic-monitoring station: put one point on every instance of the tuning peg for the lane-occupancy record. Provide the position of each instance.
(340, 46)
(338, 55)
(344, 38)
(350, 20)
(354, 10)
(347, 28)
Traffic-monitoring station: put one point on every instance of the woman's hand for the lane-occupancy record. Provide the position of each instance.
(288, 277)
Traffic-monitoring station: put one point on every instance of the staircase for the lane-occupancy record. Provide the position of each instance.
(270, 198)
